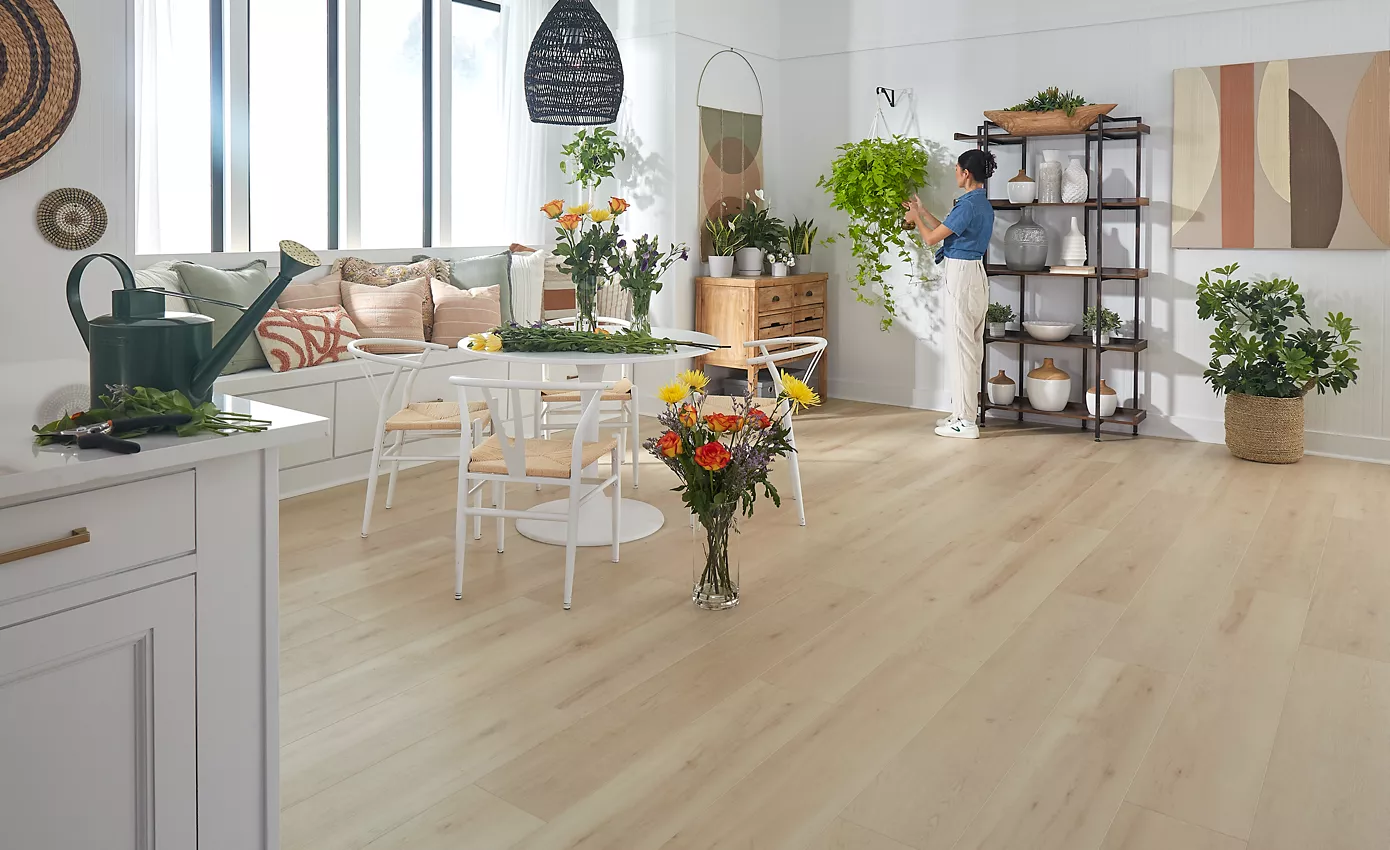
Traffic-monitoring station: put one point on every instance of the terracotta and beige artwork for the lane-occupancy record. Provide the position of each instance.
(731, 162)
(1287, 154)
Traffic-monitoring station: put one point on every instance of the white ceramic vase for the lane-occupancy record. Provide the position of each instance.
(1002, 389)
(721, 266)
(1109, 401)
(1076, 186)
(1050, 178)
(1049, 388)
(1074, 245)
(749, 261)
(779, 269)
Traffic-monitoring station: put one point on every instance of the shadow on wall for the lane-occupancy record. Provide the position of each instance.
(644, 172)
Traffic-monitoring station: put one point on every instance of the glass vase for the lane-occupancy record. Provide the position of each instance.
(586, 302)
(714, 562)
(641, 310)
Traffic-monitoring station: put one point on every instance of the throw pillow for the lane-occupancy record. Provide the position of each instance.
(358, 270)
(164, 276)
(557, 297)
(460, 312)
(296, 339)
(239, 286)
(391, 310)
(321, 294)
(481, 272)
(528, 285)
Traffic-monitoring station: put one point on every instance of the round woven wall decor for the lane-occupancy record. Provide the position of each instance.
(40, 78)
(71, 218)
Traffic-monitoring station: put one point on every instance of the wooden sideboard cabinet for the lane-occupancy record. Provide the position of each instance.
(740, 309)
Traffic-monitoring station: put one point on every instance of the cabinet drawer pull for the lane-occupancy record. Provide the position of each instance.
(810, 293)
(776, 298)
(76, 538)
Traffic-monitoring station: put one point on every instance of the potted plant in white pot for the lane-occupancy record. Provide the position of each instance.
(760, 231)
(782, 261)
(1265, 365)
(724, 243)
(1100, 323)
(803, 237)
(998, 317)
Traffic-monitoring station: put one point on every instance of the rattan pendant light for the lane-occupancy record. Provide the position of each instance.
(574, 73)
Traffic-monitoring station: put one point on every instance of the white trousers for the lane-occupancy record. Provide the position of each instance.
(967, 299)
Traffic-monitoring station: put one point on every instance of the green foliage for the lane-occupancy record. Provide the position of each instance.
(1255, 352)
(592, 156)
(1051, 99)
(802, 235)
(999, 313)
(1108, 320)
(870, 181)
(143, 401)
(725, 241)
(758, 227)
(544, 337)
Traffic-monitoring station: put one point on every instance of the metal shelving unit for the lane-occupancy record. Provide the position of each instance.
(1102, 134)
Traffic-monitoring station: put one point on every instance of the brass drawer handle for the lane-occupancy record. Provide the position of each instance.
(776, 298)
(810, 292)
(77, 538)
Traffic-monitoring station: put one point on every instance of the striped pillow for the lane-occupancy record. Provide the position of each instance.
(321, 294)
(460, 312)
(390, 311)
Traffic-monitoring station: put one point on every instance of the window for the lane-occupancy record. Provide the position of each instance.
(315, 120)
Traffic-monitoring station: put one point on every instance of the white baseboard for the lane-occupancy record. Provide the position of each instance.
(1347, 447)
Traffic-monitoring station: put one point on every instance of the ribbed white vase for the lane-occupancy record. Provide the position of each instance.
(1050, 178)
(1075, 185)
(1074, 246)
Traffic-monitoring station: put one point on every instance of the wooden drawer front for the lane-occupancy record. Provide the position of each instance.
(773, 298)
(130, 525)
(809, 293)
(813, 327)
(809, 314)
(778, 324)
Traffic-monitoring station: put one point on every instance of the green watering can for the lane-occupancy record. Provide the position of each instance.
(142, 345)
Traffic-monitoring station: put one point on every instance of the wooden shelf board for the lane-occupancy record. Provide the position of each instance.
(1073, 341)
(1107, 273)
(1110, 204)
(1128, 132)
(1074, 410)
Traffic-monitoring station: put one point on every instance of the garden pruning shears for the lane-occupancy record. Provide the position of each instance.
(101, 434)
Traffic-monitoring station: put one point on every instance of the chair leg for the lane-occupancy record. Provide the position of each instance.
(460, 538)
(636, 439)
(796, 479)
(478, 517)
(571, 542)
(373, 473)
(499, 501)
(617, 501)
(395, 470)
(540, 420)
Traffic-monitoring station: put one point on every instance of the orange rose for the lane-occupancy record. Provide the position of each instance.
(618, 206)
(554, 208)
(689, 415)
(570, 222)
(712, 456)
(669, 444)
(760, 420)
(719, 423)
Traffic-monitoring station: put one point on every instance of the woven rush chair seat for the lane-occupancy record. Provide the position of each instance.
(622, 391)
(544, 458)
(436, 416)
(725, 404)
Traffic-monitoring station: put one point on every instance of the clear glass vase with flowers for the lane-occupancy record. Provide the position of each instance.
(587, 238)
(639, 267)
(722, 459)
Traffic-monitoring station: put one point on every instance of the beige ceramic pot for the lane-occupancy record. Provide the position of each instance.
(1109, 401)
(1049, 388)
(1002, 389)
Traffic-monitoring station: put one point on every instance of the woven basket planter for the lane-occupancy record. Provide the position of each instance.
(1054, 123)
(1265, 430)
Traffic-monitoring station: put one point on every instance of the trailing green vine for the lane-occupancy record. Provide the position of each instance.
(870, 181)
(592, 157)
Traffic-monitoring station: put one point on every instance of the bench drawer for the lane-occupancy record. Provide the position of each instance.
(809, 293)
(72, 539)
(773, 298)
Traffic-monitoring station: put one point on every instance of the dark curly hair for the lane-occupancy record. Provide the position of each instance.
(979, 164)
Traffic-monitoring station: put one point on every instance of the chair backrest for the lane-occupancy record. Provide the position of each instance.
(406, 365)
(801, 347)
(510, 431)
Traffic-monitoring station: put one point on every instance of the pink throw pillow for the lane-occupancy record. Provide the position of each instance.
(391, 311)
(296, 339)
(320, 294)
(460, 312)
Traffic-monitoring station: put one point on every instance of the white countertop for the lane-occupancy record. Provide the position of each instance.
(28, 470)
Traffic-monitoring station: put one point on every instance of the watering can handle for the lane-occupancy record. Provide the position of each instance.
(75, 289)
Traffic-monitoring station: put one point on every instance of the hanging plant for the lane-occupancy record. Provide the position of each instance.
(870, 181)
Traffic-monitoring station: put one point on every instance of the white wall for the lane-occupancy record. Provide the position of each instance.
(960, 62)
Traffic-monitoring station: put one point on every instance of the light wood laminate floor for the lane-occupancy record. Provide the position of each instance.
(1029, 641)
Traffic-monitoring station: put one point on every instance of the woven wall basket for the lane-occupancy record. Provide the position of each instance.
(1267, 430)
(1054, 123)
(40, 78)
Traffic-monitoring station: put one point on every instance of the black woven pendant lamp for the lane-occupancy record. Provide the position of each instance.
(574, 73)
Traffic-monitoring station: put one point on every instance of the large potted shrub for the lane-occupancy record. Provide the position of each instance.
(870, 181)
(1266, 355)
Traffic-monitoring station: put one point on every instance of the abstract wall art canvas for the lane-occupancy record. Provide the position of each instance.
(731, 162)
(1286, 154)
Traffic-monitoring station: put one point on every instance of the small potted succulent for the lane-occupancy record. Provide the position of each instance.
(724, 243)
(998, 316)
(803, 237)
(782, 261)
(1100, 324)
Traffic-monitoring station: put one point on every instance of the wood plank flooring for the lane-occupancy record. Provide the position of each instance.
(1029, 641)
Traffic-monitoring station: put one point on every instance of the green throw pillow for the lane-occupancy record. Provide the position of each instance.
(239, 286)
(481, 272)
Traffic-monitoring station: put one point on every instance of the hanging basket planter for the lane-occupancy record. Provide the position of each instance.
(1265, 430)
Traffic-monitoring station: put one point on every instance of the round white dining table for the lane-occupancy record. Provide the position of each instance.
(639, 519)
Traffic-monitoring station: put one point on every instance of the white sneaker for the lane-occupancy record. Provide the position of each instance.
(946, 420)
(960, 429)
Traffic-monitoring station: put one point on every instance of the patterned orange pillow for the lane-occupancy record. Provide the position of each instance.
(358, 270)
(296, 339)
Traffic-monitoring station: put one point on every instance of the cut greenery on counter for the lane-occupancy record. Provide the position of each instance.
(143, 401)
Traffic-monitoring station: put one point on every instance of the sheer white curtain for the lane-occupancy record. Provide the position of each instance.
(526, 166)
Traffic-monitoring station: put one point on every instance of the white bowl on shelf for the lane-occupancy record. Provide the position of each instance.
(1049, 331)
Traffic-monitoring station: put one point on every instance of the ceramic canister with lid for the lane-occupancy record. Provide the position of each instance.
(1023, 189)
(1049, 388)
(1109, 401)
(1002, 389)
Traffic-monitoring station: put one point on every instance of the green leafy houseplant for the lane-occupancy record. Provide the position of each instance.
(999, 314)
(1106, 319)
(591, 157)
(725, 241)
(802, 235)
(758, 227)
(1256, 352)
(1051, 99)
(870, 181)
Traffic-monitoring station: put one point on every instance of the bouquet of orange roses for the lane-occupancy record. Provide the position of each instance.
(722, 459)
(587, 238)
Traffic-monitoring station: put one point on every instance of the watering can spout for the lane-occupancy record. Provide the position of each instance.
(295, 259)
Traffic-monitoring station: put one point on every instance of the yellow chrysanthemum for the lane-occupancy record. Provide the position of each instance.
(494, 342)
(694, 379)
(674, 392)
(796, 391)
(599, 216)
(484, 342)
(578, 209)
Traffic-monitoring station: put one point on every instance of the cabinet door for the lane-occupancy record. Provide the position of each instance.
(98, 711)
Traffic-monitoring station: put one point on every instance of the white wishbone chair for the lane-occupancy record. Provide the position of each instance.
(417, 419)
(508, 456)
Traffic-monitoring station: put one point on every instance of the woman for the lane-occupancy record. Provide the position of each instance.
(964, 237)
